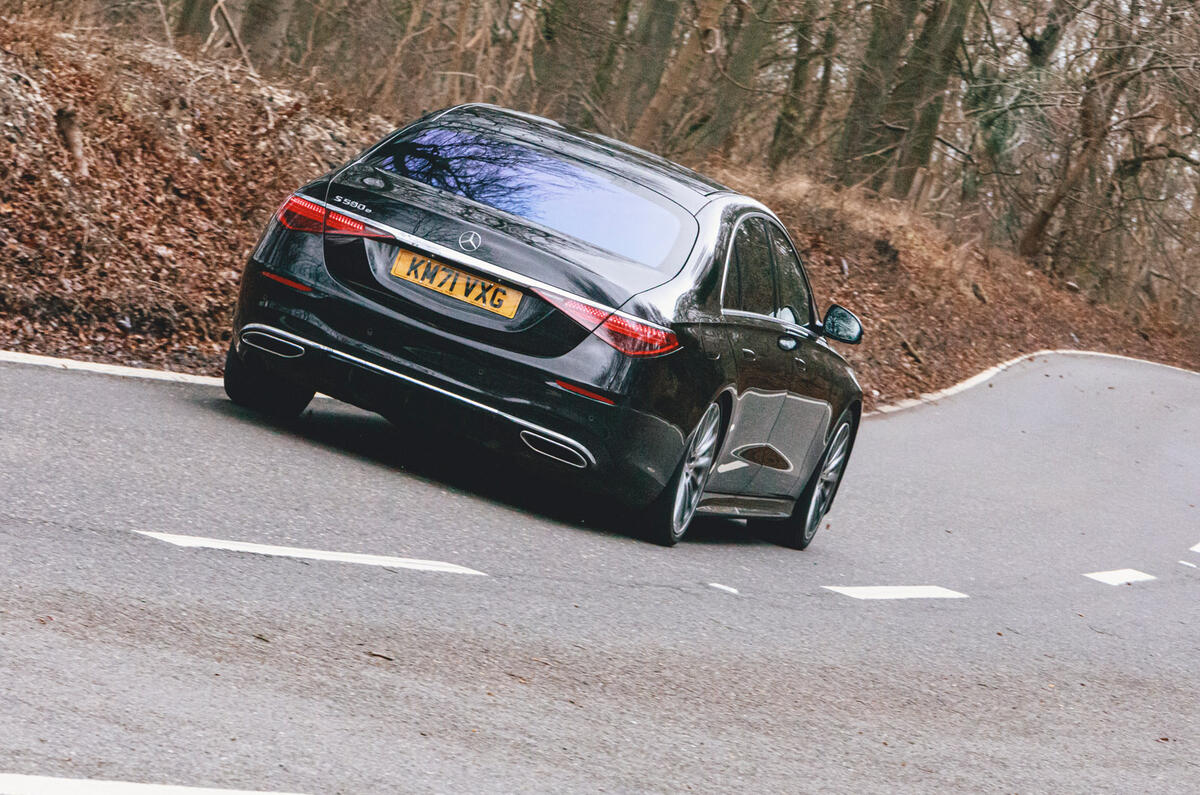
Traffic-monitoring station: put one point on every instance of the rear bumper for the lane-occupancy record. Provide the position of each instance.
(370, 357)
(287, 346)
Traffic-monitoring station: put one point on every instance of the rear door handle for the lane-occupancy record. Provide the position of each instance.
(800, 363)
(749, 354)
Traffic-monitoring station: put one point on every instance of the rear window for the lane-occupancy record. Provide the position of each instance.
(562, 194)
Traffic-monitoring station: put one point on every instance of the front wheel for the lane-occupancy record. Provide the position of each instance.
(668, 517)
(798, 530)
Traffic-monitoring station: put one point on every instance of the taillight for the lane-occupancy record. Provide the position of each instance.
(303, 215)
(636, 339)
(338, 224)
(629, 336)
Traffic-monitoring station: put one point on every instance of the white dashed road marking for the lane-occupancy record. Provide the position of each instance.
(310, 554)
(45, 785)
(1184, 562)
(1196, 548)
(721, 587)
(1120, 576)
(896, 592)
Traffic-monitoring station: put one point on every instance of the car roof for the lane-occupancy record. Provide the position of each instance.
(682, 185)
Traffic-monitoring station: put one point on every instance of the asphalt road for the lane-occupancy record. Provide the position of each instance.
(586, 659)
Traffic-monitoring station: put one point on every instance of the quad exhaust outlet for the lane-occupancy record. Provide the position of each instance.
(272, 344)
(553, 449)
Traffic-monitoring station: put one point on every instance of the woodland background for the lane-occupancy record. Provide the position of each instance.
(1000, 147)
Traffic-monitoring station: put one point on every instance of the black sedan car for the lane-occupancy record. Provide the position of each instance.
(567, 297)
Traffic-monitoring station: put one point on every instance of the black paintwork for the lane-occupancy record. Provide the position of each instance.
(779, 402)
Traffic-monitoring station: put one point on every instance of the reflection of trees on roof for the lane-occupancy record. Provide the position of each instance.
(503, 174)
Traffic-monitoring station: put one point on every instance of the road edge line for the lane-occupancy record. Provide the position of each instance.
(20, 784)
(119, 370)
(986, 375)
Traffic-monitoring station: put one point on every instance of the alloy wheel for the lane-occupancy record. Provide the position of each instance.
(697, 464)
(827, 481)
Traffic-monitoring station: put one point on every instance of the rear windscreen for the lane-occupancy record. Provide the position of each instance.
(557, 192)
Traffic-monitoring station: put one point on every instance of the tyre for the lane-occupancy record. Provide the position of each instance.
(798, 530)
(667, 518)
(249, 384)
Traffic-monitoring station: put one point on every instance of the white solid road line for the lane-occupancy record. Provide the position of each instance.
(311, 554)
(721, 587)
(108, 369)
(1120, 576)
(119, 370)
(11, 784)
(896, 592)
(988, 374)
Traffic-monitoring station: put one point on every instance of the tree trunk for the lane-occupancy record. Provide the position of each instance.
(193, 20)
(457, 64)
(925, 117)
(732, 91)
(679, 74)
(915, 87)
(566, 57)
(1100, 96)
(385, 84)
(264, 30)
(821, 101)
(646, 58)
(607, 67)
(787, 126)
(891, 21)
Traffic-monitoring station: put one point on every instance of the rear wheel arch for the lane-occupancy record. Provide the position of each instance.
(724, 401)
(853, 413)
(724, 398)
(667, 518)
(855, 410)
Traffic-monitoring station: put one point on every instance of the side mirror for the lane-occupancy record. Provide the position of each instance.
(841, 324)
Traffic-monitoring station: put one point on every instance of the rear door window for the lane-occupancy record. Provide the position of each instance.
(752, 253)
(794, 303)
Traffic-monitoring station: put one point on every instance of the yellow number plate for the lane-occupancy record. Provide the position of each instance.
(440, 277)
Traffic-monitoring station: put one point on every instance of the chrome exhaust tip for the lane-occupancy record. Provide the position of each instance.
(272, 344)
(551, 448)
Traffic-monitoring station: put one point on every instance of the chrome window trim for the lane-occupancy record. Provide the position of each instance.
(790, 328)
(446, 253)
(334, 352)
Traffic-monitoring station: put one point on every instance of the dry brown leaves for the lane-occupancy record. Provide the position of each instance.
(139, 261)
